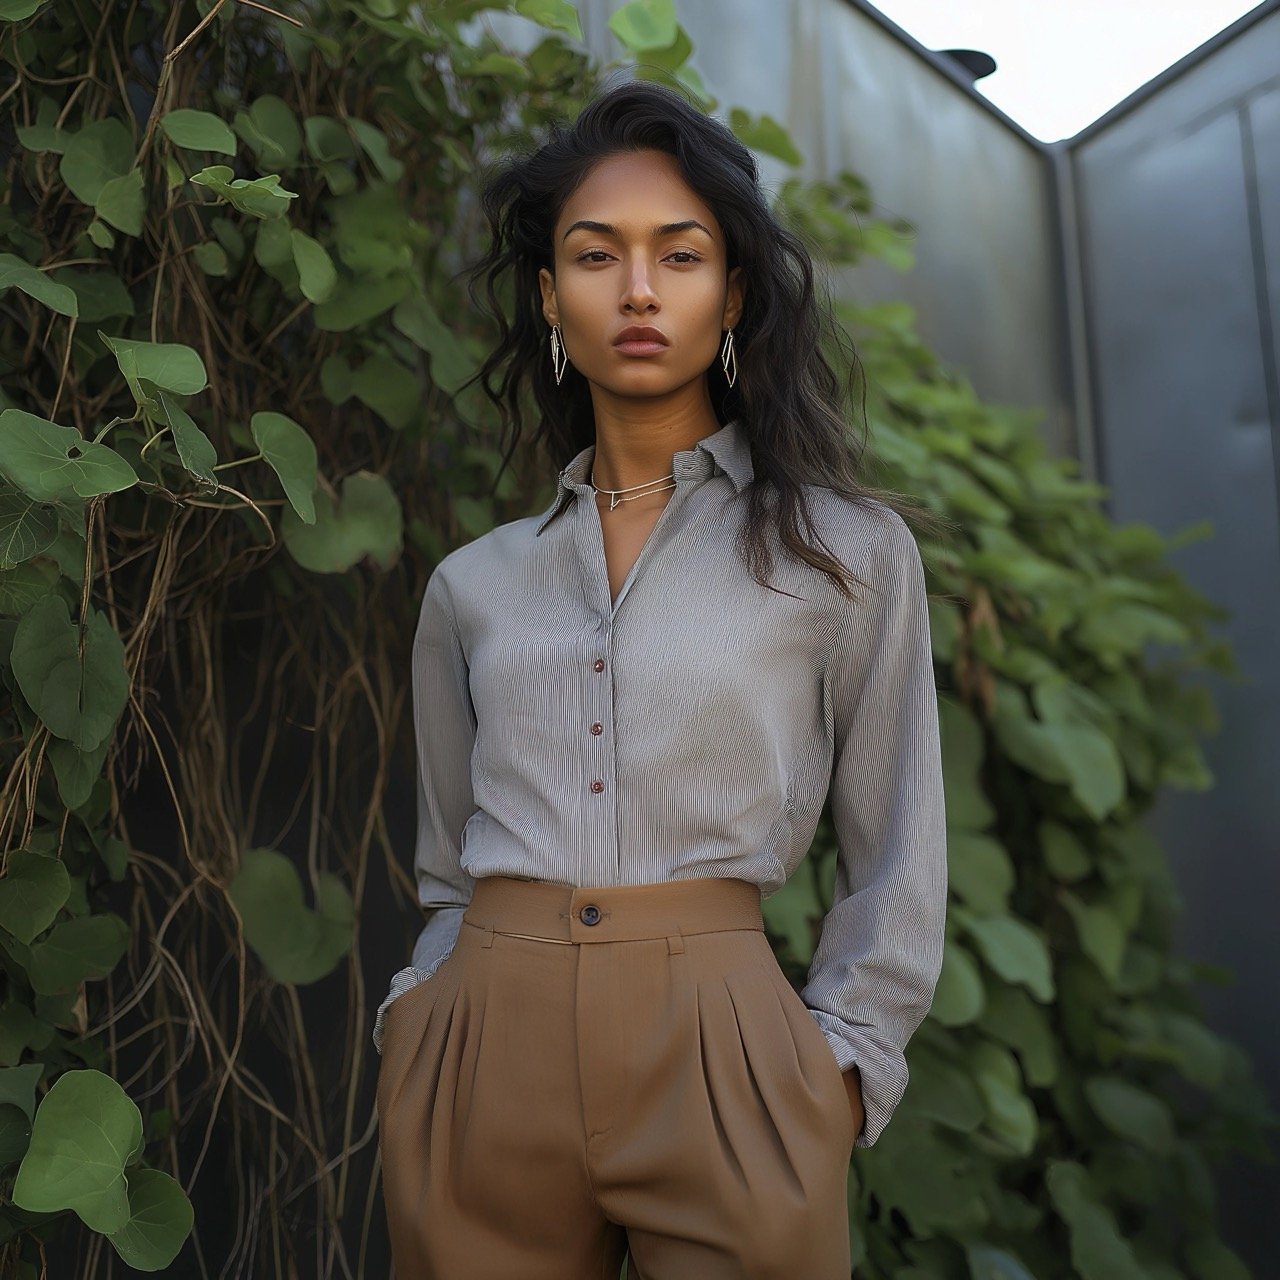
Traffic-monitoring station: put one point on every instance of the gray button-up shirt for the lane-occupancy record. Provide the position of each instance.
(726, 714)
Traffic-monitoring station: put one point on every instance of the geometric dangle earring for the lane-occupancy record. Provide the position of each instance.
(727, 359)
(558, 357)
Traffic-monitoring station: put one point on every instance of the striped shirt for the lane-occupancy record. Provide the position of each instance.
(694, 726)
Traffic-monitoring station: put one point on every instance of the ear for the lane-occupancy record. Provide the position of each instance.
(547, 283)
(733, 299)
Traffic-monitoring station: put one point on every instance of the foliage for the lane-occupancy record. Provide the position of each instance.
(229, 239)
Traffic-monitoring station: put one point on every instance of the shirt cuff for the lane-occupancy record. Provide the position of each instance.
(883, 1075)
(403, 981)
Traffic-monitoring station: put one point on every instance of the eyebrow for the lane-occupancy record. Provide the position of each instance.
(608, 229)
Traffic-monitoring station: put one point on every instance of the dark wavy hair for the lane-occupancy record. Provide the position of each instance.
(788, 399)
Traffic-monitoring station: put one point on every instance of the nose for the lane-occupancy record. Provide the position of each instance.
(639, 294)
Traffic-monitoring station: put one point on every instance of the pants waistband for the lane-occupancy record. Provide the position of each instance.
(613, 913)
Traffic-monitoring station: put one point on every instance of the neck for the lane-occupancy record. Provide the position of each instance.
(630, 454)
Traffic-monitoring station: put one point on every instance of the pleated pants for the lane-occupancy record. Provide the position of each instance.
(600, 1072)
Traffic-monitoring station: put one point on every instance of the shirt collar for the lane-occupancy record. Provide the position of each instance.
(727, 451)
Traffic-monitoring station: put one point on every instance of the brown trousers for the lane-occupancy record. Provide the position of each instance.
(594, 1071)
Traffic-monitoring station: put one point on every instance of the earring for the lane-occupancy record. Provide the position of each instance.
(558, 357)
(727, 358)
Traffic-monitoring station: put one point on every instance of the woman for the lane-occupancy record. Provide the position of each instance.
(630, 710)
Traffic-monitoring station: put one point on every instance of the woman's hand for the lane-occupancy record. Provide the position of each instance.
(853, 1087)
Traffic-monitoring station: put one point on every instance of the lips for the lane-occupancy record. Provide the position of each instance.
(640, 333)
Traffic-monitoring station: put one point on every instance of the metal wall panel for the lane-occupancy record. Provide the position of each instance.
(1178, 202)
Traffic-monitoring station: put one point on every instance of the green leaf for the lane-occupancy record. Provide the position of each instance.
(77, 772)
(942, 1089)
(196, 451)
(17, 10)
(388, 388)
(198, 131)
(167, 366)
(645, 24)
(1095, 771)
(356, 302)
(17, 274)
(78, 699)
(52, 463)
(86, 1131)
(1015, 1019)
(980, 872)
(294, 943)
(1132, 1112)
(77, 951)
(327, 139)
(1098, 1250)
(1010, 1113)
(271, 130)
(101, 235)
(315, 268)
(367, 522)
(960, 995)
(32, 892)
(373, 142)
(963, 751)
(291, 454)
(1064, 855)
(160, 1220)
(99, 153)
(28, 528)
(930, 1184)
(100, 295)
(18, 1087)
(211, 257)
(44, 135)
(121, 201)
(1014, 950)
(1102, 934)
(502, 65)
(258, 197)
(418, 320)
(763, 133)
(555, 15)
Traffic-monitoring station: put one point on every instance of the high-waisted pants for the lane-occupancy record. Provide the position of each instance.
(600, 1072)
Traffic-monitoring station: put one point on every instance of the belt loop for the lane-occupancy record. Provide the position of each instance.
(675, 944)
(487, 940)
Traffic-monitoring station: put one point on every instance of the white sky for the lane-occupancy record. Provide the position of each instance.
(1063, 63)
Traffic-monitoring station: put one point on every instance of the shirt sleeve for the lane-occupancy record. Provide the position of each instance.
(444, 724)
(879, 953)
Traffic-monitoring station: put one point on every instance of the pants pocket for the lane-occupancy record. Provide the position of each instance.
(788, 1036)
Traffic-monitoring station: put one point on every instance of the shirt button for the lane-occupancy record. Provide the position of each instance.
(591, 914)
(597, 785)
(599, 664)
(597, 728)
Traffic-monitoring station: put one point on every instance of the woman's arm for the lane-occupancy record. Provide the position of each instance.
(444, 730)
(879, 954)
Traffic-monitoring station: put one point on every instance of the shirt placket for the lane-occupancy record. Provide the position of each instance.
(600, 720)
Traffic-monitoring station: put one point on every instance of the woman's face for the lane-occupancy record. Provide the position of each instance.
(630, 266)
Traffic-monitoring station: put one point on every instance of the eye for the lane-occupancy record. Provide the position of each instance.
(687, 254)
(591, 253)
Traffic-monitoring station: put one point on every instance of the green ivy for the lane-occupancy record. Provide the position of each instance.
(232, 350)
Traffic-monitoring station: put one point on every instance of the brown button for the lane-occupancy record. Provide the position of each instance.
(599, 664)
(597, 785)
(597, 727)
